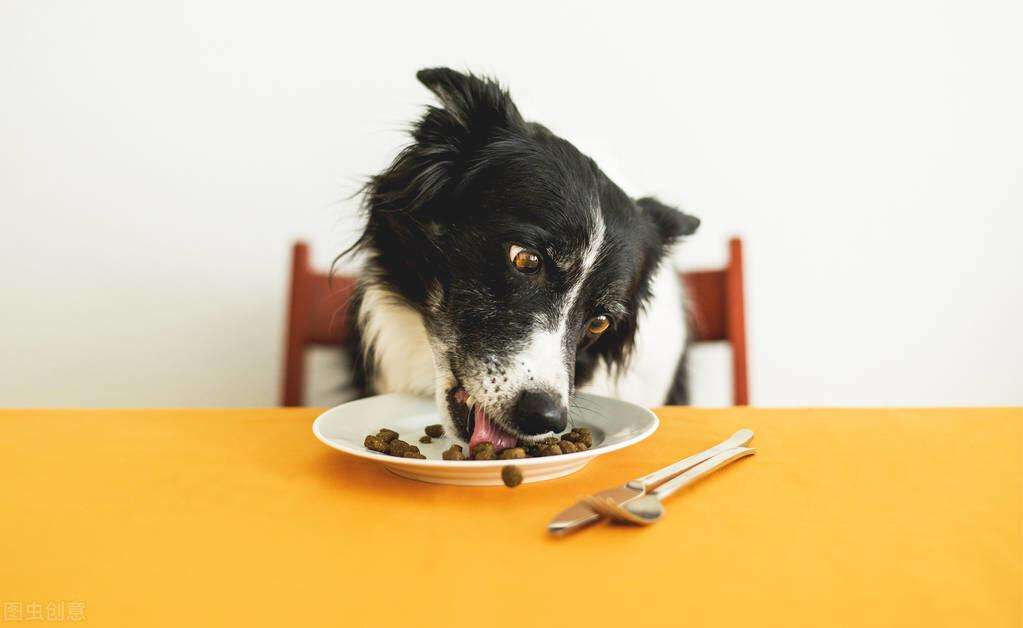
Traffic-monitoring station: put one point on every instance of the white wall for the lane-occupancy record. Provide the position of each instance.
(156, 160)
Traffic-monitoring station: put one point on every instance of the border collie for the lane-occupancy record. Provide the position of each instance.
(504, 271)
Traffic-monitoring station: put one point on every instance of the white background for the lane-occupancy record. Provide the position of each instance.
(156, 160)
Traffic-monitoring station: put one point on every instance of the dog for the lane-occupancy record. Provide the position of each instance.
(504, 272)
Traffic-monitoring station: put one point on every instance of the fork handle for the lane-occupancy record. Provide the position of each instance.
(655, 479)
(700, 470)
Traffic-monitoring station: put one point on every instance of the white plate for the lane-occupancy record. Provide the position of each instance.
(615, 424)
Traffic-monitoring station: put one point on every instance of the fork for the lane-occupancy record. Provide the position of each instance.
(648, 509)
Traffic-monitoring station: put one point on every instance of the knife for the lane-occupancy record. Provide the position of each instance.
(580, 514)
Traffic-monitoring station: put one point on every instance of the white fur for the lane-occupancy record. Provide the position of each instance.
(543, 360)
(402, 358)
(660, 340)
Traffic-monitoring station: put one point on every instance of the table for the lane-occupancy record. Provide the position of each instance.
(882, 517)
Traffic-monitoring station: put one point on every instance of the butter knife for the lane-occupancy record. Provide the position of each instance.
(580, 514)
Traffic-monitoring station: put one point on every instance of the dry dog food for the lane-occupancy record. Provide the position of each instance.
(580, 435)
(483, 451)
(375, 443)
(401, 449)
(511, 476)
(386, 441)
(453, 453)
(512, 453)
(387, 435)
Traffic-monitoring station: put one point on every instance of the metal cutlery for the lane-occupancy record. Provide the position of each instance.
(582, 514)
(648, 509)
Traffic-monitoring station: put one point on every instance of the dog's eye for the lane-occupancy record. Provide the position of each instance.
(524, 260)
(598, 325)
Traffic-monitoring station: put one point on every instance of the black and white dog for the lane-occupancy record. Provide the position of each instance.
(505, 271)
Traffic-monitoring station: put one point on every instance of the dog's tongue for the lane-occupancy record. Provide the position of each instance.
(484, 430)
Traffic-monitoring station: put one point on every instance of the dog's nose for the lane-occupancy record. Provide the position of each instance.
(538, 412)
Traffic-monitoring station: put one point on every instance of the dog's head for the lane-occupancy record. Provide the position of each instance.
(528, 265)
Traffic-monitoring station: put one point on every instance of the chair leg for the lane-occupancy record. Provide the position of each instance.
(298, 314)
(737, 322)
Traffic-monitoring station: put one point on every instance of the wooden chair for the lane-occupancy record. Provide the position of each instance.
(318, 316)
(717, 311)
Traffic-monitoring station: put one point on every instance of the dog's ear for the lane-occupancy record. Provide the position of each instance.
(477, 104)
(476, 111)
(671, 223)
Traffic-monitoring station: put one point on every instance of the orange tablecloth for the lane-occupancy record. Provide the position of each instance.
(240, 517)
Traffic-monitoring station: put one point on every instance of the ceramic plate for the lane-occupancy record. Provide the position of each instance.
(615, 424)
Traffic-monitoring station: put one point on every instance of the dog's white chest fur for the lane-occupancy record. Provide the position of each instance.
(404, 361)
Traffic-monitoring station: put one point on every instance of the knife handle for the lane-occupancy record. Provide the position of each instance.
(655, 479)
(712, 464)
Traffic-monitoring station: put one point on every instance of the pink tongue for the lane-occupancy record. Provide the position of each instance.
(486, 431)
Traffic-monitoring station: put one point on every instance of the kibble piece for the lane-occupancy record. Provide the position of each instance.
(580, 435)
(453, 453)
(425, 440)
(567, 447)
(511, 476)
(581, 446)
(387, 435)
(550, 450)
(550, 440)
(483, 451)
(397, 447)
(532, 447)
(435, 431)
(512, 453)
(374, 443)
(587, 436)
(413, 454)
